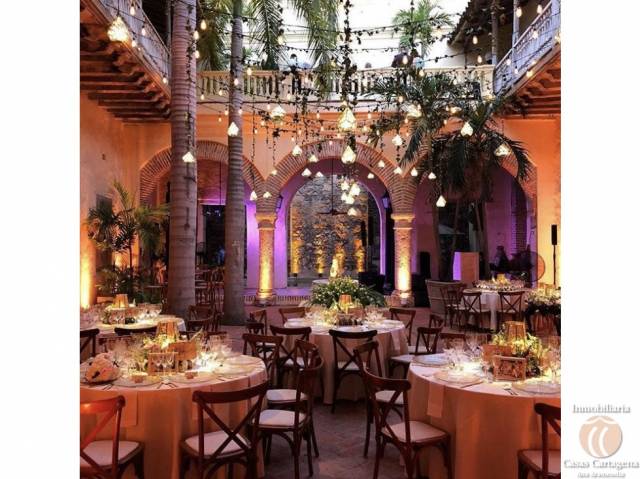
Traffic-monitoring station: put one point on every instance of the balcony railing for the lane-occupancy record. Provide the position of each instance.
(531, 46)
(274, 83)
(150, 47)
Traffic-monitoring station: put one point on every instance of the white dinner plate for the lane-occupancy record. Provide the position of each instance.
(434, 360)
(350, 329)
(458, 378)
(130, 383)
(243, 360)
(537, 386)
(201, 377)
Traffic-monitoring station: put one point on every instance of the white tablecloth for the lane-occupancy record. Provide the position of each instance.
(487, 425)
(108, 330)
(161, 418)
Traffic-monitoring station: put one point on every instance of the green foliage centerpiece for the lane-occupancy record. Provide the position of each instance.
(328, 295)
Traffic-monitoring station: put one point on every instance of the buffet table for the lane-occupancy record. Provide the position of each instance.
(162, 414)
(488, 424)
(391, 338)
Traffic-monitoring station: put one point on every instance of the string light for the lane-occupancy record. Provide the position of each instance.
(233, 129)
(534, 34)
(381, 164)
(313, 158)
(267, 195)
(441, 203)
(353, 212)
(297, 151)
(306, 172)
(278, 113)
(197, 54)
(479, 59)
(519, 11)
(274, 172)
(188, 157)
(355, 190)
(502, 150)
(371, 176)
(539, 9)
(253, 196)
(348, 156)
(196, 35)
(203, 25)
(319, 174)
(132, 10)
(397, 171)
(414, 171)
(467, 129)
(143, 31)
(475, 40)
(431, 176)
(397, 140)
(118, 31)
(164, 80)
(249, 71)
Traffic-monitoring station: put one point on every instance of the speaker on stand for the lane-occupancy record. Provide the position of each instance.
(554, 243)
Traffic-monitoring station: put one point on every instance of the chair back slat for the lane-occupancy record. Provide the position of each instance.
(259, 316)
(111, 408)
(406, 316)
(429, 337)
(89, 337)
(339, 336)
(511, 302)
(266, 348)
(288, 352)
(150, 331)
(305, 384)
(472, 301)
(291, 312)
(550, 416)
(365, 353)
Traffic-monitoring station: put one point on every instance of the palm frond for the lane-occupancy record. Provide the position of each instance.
(264, 28)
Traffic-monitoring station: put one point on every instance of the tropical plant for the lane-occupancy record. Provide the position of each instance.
(116, 230)
(421, 24)
(327, 295)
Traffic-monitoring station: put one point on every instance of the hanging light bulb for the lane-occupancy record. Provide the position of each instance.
(529, 73)
(347, 121)
(397, 140)
(165, 80)
(134, 43)
(319, 174)
(132, 10)
(353, 212)
(265, 56)
(371, 176)
(413, 111)
(249, 71)
(502, 150)
(297, 151)
(467, 129)
(441, 202)
(236, 81)
(201, 96)
(519, 11)
(253, 196)
(432, 176)
(344, 196)
(414, 171)
(439, 32)
(306, 172)
(534, 34)
(280, 40)
(188, 157)
(475, 40)
(278, 113)
(405, 59)
(539, 8)
(400, 99)
(197, 54)
(313, 158)
(381, 164)
(354, 190)
(479, 59)
(274, 172)
(118, 31)
(233, 129)
(344, 186)
(266, 194)
(421, 72)
(397, 171)
(196, 35)
(454, 110)
(143, 31)
(348, 156)
(350, 200)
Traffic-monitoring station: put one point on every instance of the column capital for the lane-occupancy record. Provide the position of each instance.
(266, 220)
(402, 220)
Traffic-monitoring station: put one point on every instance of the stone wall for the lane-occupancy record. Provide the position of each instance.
(315, 238)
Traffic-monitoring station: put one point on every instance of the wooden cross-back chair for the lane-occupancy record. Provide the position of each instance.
(472, 306)
(217, 297)
(341, 368)
(150, 331)
(409, 437)
(406, 316)
(266, 348)
(291, 312)
(230, 444)
(108, 459)
(257, 322)
(88, 337)
(448, 338)
(428, 337)
(544, 463)
(510, 306)
(298, 421)
(451, 297)
(287, 359)
(201, 317)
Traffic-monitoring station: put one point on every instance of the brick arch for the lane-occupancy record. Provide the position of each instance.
(401, 189)
(206, 150)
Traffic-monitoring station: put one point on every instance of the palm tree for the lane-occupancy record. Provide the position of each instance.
(421, 24)
(465, 162)
(265, 25)
(183, 194)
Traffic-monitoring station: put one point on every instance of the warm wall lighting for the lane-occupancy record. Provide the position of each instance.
(233, 129)
(118, 31)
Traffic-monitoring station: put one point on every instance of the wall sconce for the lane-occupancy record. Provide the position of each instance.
(279, 201)
(386, 201)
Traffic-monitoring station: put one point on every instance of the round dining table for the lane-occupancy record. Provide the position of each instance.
(488, 423)
(391, 339)
(162, 414)
(108, 330)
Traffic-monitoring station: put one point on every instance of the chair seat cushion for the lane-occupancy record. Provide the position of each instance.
(420, 432)
(405, 358)
(385, 396)
(100, 451)
(351, 367)
(534, 459)
(212, 441)
(283, 395)
(289, 362)
(278, 418)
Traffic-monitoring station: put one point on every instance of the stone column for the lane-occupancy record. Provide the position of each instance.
(266, 228)
(403, 224)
